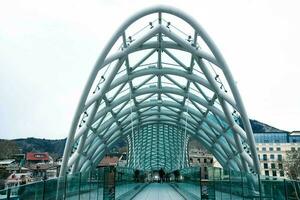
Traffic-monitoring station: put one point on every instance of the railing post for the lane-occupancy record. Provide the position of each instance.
(214, 183)
(200, 185)
(285, 190)
(8, 193)
(65, 186)
(221, 181)
(79, 185)
(44, 189)
(259, 186)
(230, 184)
(98, 181)
(242, 179)
(90, 177)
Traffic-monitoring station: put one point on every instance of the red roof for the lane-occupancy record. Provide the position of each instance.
(37, 156)
(109, 161)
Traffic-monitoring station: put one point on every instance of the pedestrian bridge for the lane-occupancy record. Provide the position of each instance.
(158, 82)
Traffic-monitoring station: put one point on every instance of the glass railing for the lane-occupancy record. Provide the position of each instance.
(101, 183)
(129, 182)
(124, 183)
(87, 186)
(217, 183)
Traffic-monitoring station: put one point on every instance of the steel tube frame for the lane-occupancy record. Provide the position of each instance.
(103, 126)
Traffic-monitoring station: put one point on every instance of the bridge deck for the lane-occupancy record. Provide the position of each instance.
(157, 191)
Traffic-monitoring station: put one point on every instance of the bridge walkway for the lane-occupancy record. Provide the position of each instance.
(158, 191)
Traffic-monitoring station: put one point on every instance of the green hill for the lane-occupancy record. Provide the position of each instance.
(56, 147)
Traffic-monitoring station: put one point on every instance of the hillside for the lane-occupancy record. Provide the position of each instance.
(259, 127)
(56, 147)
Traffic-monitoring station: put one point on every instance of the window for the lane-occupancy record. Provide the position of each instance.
(265, 165)
(265, 157)
(258, 156)
(198, 160)
(212, 160)
(279, 157)
(272, 156)
(280, 166)
(264, 149)
(267, 173)
(191, 160)
(273, 165)
(278, 149)
(281, 173)
(257, 148)
(274, 173)
(271, 149)
(293, 149)
(204, 160)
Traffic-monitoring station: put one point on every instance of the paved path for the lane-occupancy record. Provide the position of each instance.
(157, 191)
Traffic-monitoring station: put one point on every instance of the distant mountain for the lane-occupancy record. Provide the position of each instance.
(56, 147)
(259, 127)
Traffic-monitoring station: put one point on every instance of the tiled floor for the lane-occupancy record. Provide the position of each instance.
(157, 191)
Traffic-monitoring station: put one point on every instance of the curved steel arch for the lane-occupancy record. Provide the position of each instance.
(178, 79)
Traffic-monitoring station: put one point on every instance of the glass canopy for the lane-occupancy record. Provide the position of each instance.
(160, 70)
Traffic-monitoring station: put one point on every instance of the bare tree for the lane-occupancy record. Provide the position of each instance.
(293, 164)
(293, 169)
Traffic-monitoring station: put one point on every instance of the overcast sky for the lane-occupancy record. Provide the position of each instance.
(48, 48)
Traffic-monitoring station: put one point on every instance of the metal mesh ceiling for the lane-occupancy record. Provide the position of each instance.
(156, 146)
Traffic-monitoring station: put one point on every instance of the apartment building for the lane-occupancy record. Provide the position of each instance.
(272, 149)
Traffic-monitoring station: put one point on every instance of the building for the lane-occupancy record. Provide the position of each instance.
(111, 159)
(34, 158)
(200, 157)
(272, 148)
(5, 163)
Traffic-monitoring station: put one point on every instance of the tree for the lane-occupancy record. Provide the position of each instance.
(7, 149)
(293, 168)
(293, 164)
